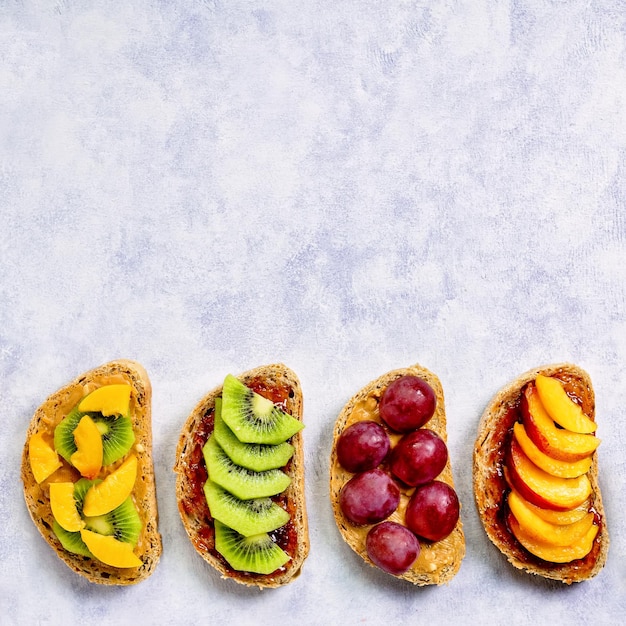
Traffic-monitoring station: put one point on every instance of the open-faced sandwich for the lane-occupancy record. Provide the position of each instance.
(535, 474)
(391, 483)
(89, 478)
(240, 478)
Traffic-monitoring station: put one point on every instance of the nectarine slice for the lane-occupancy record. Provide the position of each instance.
(109, 550)
(560, 518)
(108, 400)
(558, 443)
(560, 407)
(538, 529)
(44, 460)
(551, 553)
(547, 463)
(89, 450)
(113, 490)
(63, 506)
(541, 488)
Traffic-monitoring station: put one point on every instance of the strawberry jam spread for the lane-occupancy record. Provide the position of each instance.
(195, 504)
(498, 487)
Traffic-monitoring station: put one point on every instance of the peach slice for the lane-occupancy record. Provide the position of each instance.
(551, 553)
(541, 488)
(560, 518)
(113, 490)
(108, 400)
(555, 442)
(538, 529)
(63, 507)
(44, 460)
(109, 550)
(88, 457)
(545, 462)
(560, 407)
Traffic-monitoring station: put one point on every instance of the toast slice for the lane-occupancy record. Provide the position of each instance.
(491, 488)
(280, 385)
(47, 417)
(437, 562)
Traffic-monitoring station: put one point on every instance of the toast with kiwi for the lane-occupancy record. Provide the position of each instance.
(240, 477)
(95, 427)
(437, 561)
(535, 474)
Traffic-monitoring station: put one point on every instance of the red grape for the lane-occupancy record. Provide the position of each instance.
(392, 547)
(433, 511)
(362, 446)
(369, 497)
(419, 457)
(407, 403)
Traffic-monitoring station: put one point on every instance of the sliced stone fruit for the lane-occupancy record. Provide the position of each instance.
(44, 460)
(108, 400)
(109, 550)
(89, 452)
(63, 505)
(253, 418)
(113, 490)
(256, 553)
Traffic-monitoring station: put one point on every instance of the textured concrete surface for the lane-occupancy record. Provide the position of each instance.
(347, 187)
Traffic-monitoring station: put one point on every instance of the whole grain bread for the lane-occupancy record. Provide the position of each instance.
(47, 416)
(488, 481)
(190, 472)
(438, 562)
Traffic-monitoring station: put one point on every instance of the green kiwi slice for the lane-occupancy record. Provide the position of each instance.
(122, 522)
(257, 554)
(253, 418)
(243, 483)
(257, 457)
(247, 517)
(117, 435)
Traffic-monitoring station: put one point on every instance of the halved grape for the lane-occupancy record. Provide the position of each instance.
(369, 497)
(392, 547)
(362, 446)
(407, 403)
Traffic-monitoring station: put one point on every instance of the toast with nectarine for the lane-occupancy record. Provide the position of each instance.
(96, 426)
(535, 474)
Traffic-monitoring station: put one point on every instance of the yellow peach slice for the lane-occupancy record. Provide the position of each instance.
(558, 443)
(560, 518)
(88, 457)
(108, 400)
(113, 490)
(44, 460)
(564, 469)
(63, 507)
(551, 553)
(538, 529)
(560, 407)
(109, 550)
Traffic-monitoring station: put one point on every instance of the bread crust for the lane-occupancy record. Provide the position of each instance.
(488, 458)
(198, 524)
(438, 562)
(47, 416)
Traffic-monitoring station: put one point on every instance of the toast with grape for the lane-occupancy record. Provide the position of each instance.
(240, 477)
(535, 474)
(88, 474)
(391, 483)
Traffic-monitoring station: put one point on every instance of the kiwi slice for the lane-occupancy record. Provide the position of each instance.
(253, 418)
(257, 457)
(241, 482)
(257, 554)
(122, 522)
(117, 435)
(247, 517)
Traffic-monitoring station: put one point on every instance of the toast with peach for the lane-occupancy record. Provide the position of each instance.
(535, 474)
(88, 474)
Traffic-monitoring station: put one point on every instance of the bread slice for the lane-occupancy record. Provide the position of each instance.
(281, 385)
(47, 416)
(490, 487)
(438, 562)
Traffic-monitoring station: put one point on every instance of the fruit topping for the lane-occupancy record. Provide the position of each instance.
(362, 446)
(108, 400)
(113, 490)
(407, 404)
(433, 511)
(369, 497)
(109, 550)
(63, 505)
(44, 460)
(392, 547)
(88, 456)
(419, 457)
